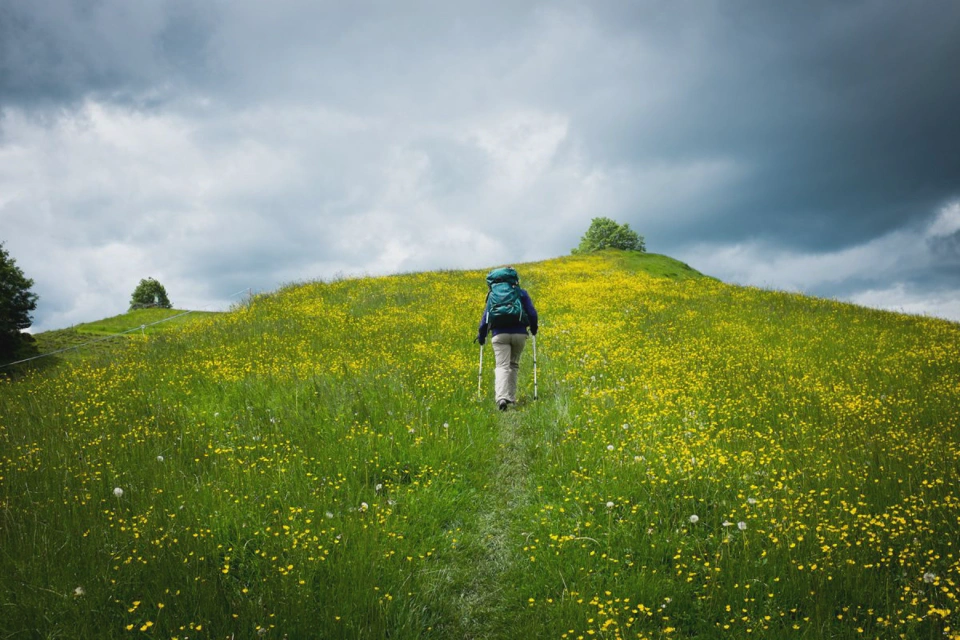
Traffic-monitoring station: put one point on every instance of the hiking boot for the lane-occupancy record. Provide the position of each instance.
(502, 405)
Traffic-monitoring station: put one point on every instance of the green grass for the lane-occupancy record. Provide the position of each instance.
(653, 264)
(318, 464)
(84, 340)
(152, 320)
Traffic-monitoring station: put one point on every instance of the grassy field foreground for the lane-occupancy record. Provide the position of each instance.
(704, 461)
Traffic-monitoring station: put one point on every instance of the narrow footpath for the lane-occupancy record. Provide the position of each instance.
(481, 602)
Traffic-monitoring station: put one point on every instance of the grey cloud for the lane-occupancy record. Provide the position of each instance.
(57, 52)
(214, 212)
(946, 249)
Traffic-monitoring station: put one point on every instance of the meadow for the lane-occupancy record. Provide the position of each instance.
(101, 337)
(703, 461)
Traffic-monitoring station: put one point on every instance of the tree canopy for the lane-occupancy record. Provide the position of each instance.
(605, 233)
(149, 293)
(16, 303)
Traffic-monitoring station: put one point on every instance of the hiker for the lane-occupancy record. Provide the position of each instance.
(507, 313)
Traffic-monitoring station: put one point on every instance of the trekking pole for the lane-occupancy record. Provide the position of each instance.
(534, 367)
(480, 374)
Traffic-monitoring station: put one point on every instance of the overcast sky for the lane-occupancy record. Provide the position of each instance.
(233, 144)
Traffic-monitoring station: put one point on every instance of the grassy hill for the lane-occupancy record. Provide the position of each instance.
(704, 461)
(95, 337)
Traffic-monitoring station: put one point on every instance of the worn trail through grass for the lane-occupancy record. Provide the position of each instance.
(482, 603)
(492, 598)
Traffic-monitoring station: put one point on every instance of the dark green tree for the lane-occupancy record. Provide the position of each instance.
(16, 303)
(605, 233)
(149, 293)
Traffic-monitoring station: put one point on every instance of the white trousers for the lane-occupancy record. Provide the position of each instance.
(507, 348)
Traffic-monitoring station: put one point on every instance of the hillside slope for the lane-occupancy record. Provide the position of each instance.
(82, 339)
(704, 461)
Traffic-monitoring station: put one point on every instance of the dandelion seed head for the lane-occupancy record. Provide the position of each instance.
(694, 519)
(364, 506)
(609, 447)
(609, 505)
(751, 501)
(742, 525)
(929, 577)
(159, 458)
(117, 491)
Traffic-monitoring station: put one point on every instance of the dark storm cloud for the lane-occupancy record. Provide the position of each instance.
(947, 250)
(841, 115)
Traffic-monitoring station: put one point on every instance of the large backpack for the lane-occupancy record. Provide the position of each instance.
(504, 308)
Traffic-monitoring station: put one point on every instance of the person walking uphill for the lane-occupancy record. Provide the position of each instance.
(507, 314)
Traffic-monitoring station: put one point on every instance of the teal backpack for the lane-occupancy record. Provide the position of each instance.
(504, 308)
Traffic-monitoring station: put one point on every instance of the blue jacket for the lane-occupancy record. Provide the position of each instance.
(528, 309)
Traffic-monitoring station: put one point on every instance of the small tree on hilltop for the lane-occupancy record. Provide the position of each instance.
(605, 233)
(149, 293)
(16, 303)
